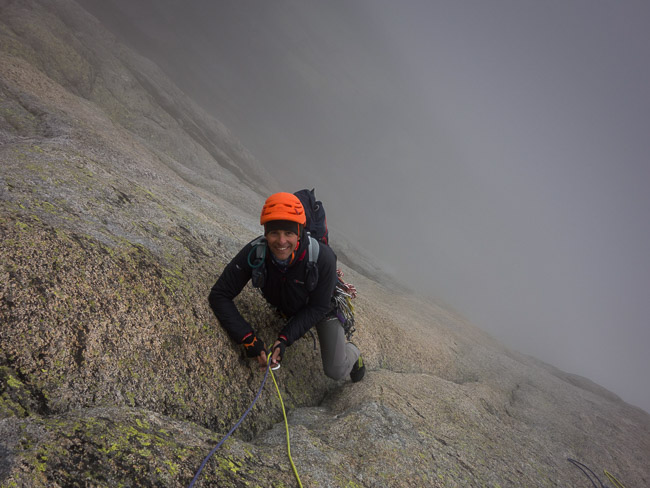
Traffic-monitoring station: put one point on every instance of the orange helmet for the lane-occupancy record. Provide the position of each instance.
(283, 206)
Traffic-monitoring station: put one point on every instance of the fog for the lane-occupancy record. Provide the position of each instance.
(493, 155)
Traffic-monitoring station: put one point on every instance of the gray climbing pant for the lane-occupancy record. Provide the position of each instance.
(338, 355)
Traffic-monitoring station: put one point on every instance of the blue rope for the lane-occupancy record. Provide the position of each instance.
(207, 458)
(584, 468)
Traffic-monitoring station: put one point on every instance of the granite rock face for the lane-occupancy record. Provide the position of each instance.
(120, 203)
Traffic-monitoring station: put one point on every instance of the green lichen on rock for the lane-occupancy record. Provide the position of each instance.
(121, 447)
(15, 399)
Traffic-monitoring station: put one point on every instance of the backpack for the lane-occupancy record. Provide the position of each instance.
(315, 213)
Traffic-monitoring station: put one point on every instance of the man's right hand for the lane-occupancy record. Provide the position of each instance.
(255, 349)
(252, 345)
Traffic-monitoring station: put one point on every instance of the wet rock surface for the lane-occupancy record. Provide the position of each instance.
(120, 203)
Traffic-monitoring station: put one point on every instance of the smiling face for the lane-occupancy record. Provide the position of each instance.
(282, 243)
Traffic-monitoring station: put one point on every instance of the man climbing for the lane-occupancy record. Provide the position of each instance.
(283, 266)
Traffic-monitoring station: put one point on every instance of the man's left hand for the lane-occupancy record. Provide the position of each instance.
(278, 351)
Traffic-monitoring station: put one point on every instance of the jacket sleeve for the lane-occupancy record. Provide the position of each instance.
(231, 282)
(320, 300)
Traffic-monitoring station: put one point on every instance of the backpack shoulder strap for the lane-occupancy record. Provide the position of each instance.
(314, 249)
(311, 278)
(257, 253)
(256, 258)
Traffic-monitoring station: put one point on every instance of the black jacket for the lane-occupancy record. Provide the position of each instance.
(285, 290)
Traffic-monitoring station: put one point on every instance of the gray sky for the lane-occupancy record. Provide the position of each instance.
(495, 155)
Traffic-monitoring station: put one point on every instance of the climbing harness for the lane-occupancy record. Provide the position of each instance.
(585, 469)
(344, 311)
(344, 293)
(286, 425)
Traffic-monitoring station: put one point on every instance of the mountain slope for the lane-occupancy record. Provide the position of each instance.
(120, 203)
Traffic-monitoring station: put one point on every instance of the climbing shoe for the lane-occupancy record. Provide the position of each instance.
(358, 370)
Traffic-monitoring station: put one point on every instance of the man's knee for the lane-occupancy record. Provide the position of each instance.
(335, 371)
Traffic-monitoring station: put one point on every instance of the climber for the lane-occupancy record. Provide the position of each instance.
(281, 265)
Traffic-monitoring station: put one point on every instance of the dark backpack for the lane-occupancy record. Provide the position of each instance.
(315, 213)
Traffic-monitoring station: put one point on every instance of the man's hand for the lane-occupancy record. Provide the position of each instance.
(255, 349)
(252, 345)
(277, 351)
(261, 359)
